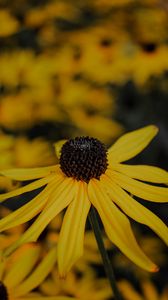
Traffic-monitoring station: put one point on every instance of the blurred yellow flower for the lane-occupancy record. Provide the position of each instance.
(81, 94)
(99, 126)
(22, 152)
(9, 24)
(10, 235)
(87, 172)
(21, 273)
(14, 152)
(85, 286)
(20, 62)
(13, 111)
(145, 65)
(31, 153)
(46, 14)
(6, 144)
(149, 291)
(150, 24)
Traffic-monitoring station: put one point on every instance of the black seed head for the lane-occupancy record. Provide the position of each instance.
(149, 47)
(83, 158)
(106, 42)
(3, 292)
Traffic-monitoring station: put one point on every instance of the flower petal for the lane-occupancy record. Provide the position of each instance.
(144, 173)
(70, 244)
(149, 290)
(40, 273)
(22, 266)
(116, 225)
(132, 143)
(135, 210)
(138, 188)
(128, 292)
(59, 199)
(27, 211)
(27, 188)
(28, 173)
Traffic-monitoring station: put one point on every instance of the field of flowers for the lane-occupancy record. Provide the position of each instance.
(83, 92)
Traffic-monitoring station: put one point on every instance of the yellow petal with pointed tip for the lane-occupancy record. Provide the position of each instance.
(59, 199)
(139, 189)
(39, 274)
(70, 243)
(117, 226)
(135, 210)
(29, 174)
(130, 144)
(144, 173)
(27, 188)
(22, 266)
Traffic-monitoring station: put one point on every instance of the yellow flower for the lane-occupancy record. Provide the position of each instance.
(13, 154)
(14, 151)
(150, 24)
(149, 291)
(88, 174)
(144, 65)
(9, 24)
(41, 15)
(22, 272)
(100, 126)
(87, 286)
(6, 144)
(14, 110)
(40, 153)
(12, 234)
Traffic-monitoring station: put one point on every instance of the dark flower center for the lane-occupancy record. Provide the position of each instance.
(149, 47)
(83, 158)
(3, 292)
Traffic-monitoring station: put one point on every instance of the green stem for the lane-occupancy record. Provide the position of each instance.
(106, 261)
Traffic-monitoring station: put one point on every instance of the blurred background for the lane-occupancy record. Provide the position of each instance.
(78, 68)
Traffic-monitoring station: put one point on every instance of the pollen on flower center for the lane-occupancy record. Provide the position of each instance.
(83, 158)
(3, 292)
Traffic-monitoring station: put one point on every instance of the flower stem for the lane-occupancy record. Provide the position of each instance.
(105, 258)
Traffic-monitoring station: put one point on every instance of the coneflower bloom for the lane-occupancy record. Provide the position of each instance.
(89, 174)
(22, 272)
